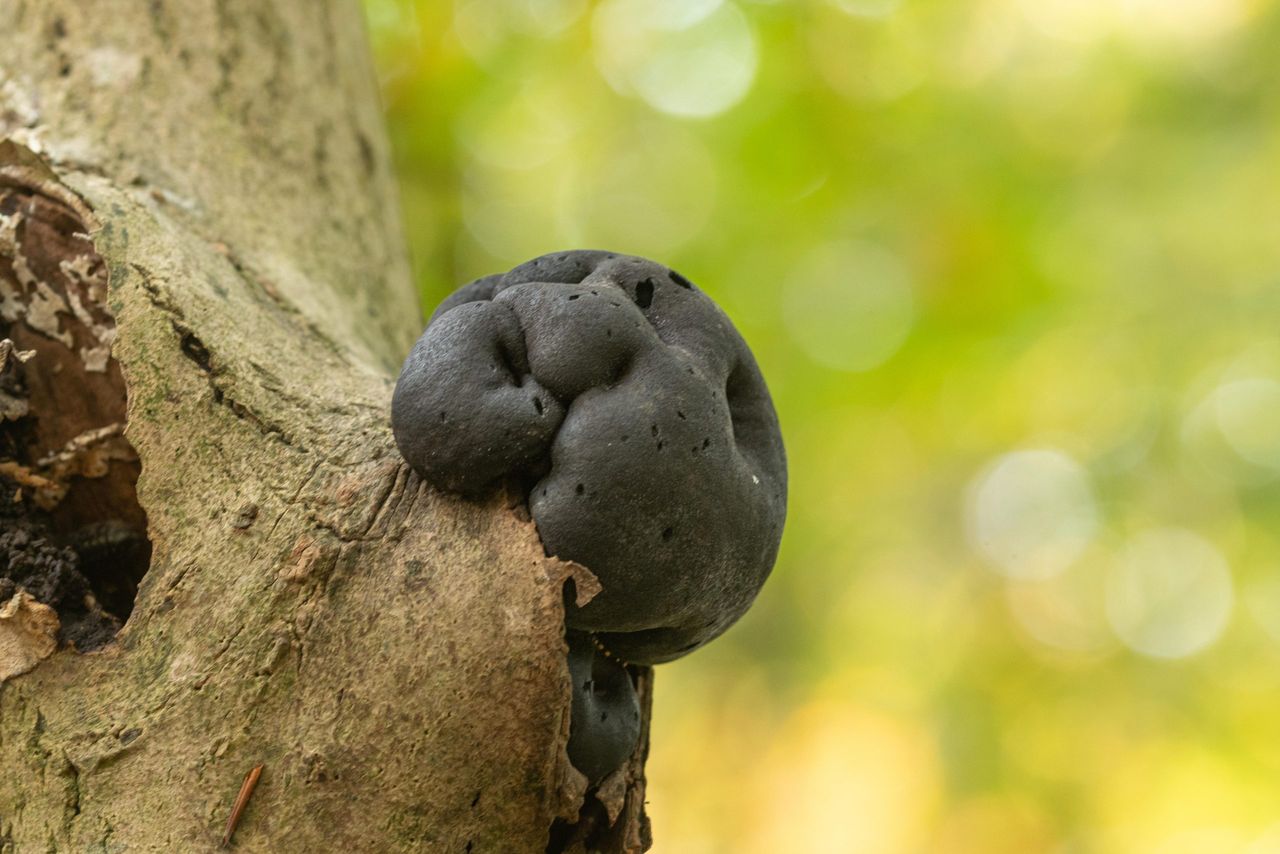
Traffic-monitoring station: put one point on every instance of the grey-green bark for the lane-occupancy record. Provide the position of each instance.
(393, 656)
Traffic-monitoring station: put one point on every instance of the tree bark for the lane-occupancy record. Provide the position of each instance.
(201, 189)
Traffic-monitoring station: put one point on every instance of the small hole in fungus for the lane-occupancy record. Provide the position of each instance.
(625, 437)
(706, 443)
(680, 280)
(667, 534)
(680, 415)
(537, 404)
(574, 297)
(653, 428)
(660, 444)
(443, 416)
(644, 293)
(579, 489)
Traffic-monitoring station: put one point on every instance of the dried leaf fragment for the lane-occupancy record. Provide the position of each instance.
(28, 634)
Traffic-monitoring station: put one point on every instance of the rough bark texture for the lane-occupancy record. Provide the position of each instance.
(392, 656)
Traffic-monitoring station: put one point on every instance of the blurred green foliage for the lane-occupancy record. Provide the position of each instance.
(1010, 267)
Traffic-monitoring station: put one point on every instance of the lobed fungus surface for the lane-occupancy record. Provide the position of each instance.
(624, 402)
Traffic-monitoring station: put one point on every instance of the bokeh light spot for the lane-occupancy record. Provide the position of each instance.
(1169, 594)
(692, 60)
(1065, 612)
(1232, 433)
(483, 27)
(1248, 414)
(1031, 513)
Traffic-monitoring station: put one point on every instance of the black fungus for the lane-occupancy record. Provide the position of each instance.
(605, 724)
(612, 346)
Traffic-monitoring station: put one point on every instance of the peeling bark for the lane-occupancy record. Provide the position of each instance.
(207, 241)
(28, 634)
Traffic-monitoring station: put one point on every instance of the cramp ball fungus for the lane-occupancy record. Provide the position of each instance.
(622, 398)
(625, 404)
(605, 723)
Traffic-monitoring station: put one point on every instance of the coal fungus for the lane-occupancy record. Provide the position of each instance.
(605, 723)
(545, 377)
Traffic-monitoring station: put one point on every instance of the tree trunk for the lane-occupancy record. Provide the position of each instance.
(197, 212)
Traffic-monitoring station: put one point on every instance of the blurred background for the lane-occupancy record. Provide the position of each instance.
(1010, 268)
